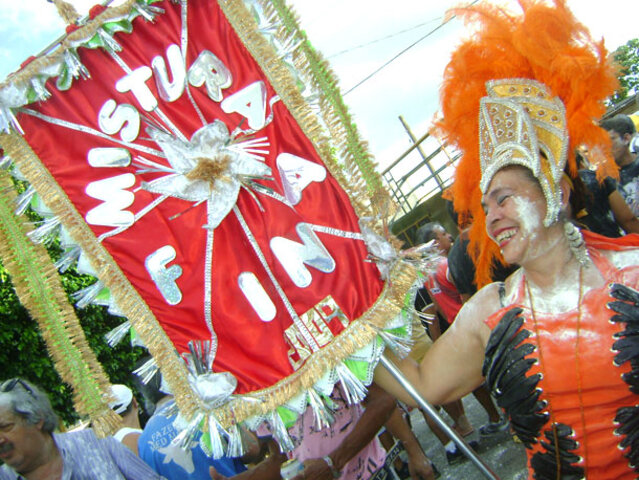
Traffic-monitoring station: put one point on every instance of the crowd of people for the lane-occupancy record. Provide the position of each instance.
(535, 304)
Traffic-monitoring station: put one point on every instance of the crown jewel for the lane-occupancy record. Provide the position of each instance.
(521, 124)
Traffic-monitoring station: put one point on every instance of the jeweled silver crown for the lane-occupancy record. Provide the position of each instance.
(521, 124)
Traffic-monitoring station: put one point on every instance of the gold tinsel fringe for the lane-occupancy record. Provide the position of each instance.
(39, 289)
(66, 11)
(127, 298)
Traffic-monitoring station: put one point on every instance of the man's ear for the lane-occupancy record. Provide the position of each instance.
(626, 138)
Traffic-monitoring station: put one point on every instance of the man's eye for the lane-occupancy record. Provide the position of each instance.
(501, 199)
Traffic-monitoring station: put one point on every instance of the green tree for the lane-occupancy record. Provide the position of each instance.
(23, 352)
(627, 57)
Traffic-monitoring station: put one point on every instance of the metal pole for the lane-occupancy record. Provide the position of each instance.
(426, 158)
(432, 413)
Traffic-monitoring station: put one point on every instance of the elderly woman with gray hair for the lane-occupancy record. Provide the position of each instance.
(30, 449)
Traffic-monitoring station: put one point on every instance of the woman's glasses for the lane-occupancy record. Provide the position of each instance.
(11, 384)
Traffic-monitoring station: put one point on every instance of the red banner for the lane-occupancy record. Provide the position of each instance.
(194, 176)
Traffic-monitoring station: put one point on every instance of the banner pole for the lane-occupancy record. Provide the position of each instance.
(432, 413)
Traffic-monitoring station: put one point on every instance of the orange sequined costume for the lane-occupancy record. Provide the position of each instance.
(581, 373)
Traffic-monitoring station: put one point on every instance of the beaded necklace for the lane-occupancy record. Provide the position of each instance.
(578, 371)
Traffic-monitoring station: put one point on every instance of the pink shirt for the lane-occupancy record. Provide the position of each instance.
(317, 444)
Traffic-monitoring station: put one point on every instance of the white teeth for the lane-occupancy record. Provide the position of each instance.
(505, 235)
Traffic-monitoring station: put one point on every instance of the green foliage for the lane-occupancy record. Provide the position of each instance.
(23, 352)
(627, 57)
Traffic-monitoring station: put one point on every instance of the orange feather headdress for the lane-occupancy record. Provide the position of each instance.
(546, 44)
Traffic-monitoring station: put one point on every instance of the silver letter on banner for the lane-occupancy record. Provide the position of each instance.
(256, 296)
(109, 157)
(208, 69)
(164, 277)
(296, 174)
(113, 117)
(170, 91)
(112, 192)
(293, 255)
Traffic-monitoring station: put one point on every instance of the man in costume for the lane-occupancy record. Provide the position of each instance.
(31, 450)
(556, 342)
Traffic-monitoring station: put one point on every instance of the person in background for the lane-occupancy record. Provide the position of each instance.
(347, 449)
(125, 405)
(621, 130)
(30, 449)
(419, 466)
(604, 211)
(448, 302)
(154, 444)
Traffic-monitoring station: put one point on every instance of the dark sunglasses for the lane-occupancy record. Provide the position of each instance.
(11, 384)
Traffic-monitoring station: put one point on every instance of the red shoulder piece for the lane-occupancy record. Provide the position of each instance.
(604, 243)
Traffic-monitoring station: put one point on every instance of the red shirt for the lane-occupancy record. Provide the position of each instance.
(443, 291)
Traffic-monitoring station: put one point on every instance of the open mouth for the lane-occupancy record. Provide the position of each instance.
(504, 236)
(5, 448)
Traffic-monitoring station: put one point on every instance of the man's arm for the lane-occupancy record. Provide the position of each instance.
(419, 465)
(267, 469)
(379, 407)
(622, 213)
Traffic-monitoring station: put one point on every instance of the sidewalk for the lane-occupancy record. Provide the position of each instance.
(505, 457)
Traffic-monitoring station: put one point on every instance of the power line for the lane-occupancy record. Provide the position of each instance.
(372, 42)
(377, 70)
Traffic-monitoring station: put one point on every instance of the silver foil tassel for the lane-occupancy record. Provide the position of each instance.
(5, 161)
(399, 345)
(425, 257)
(40, 90)
(116, 335)
(323, 415)
(147, 371)
(200, 360)
(68, 258)
(24, 200)
(148, 11)
(354, 390)
(44, 233)
(216, 433)
(8, 120)
(187, 437)
(85, 296)
(109, 42)
(74, 65)
(236, 442)
(254, 197)
(278, 429)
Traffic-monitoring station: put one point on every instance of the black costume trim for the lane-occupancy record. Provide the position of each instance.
(545, 464)
(627, 311)
(505, 368)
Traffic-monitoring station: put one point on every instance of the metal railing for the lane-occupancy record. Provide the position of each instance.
(425, 179)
